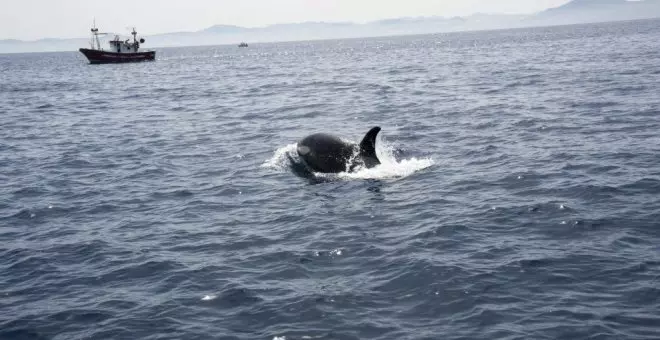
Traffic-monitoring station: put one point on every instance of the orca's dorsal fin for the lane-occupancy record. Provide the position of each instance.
(368, 146)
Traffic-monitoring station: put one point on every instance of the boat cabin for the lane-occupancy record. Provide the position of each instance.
(125, 46)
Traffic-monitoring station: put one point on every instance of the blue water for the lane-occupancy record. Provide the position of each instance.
(519, 195)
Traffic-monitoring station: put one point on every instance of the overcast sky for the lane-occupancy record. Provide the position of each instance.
(34, 19)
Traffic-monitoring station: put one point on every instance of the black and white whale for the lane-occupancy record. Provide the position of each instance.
(326, 153)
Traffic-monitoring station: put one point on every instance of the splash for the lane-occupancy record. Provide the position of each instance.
(280, 161)
(389, 168)
(403, 168)
(209, 297)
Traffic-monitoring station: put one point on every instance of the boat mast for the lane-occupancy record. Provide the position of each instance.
(95, 36)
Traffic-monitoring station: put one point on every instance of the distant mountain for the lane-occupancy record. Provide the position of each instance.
(224, 29)
(593, 4)
(585, 11)
(573, 12)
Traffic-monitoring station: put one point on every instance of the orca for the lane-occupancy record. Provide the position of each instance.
(326, 153)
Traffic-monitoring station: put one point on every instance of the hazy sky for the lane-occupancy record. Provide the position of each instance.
(33, 19)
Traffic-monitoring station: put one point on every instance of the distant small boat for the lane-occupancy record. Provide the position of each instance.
(243, 44)
(120, 51)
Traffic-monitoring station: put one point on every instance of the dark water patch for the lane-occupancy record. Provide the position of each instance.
(524, 83)
(134, 272)
(37, 215)
(77, 253)
(591, 192)
(145, 173)
(90, 317)
(302, 107)
(594, 104)
(102, 209)
(21, 334)
(30, 268)
(42, 107)
(117, 305)
(73, 162)
(592, 168)
(29, 192)
(175, 194)
(630, 72)
(520, 180)
(643, 296)
(527, 123)
(442, 237)
(645, 320)
(235, 297)
(10, 256)
(650, 186)
(444, 231)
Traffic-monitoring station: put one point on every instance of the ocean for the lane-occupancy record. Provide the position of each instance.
(518, 195)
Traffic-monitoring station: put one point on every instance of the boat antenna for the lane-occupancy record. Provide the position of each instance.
(95, 36)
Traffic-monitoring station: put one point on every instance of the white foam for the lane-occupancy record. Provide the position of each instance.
(389, 167)
(401, 169)
(209, 297)
(280, 161)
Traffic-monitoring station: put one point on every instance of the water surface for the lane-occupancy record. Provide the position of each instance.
(518, 198)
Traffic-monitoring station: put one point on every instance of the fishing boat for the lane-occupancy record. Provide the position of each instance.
(121, 51)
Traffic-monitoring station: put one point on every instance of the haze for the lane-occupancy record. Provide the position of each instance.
(36, 19)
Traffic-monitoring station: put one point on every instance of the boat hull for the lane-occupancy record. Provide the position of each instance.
(106, 57)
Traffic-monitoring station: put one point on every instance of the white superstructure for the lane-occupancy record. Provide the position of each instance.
(116, 45)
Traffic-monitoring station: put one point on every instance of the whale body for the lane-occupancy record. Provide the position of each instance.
(322, 152)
